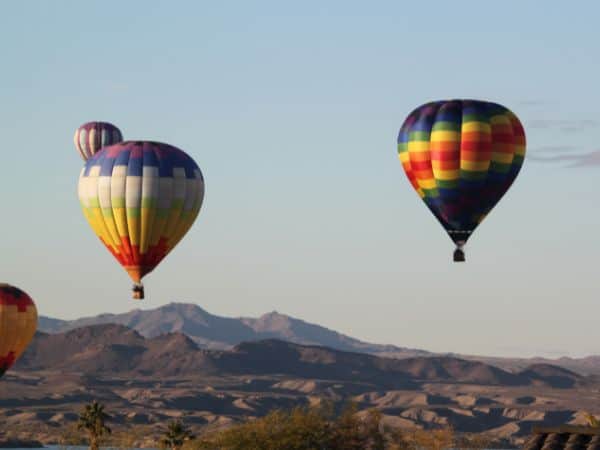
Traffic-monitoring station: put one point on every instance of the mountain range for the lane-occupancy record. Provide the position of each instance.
(150, 366)
(117, 350)
(221, 333)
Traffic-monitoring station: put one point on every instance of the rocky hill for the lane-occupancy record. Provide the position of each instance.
(116, 350)
(144, 381)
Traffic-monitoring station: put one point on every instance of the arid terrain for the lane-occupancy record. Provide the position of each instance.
(146, 380)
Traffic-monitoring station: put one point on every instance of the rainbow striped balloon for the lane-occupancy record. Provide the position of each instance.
(140, 198)
(461, 156)
(92, 136)
(18, 322)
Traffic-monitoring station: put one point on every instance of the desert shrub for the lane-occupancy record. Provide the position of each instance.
(300, 429)
(436, 439)
(418, 439)
(353, 433)
(473, 441)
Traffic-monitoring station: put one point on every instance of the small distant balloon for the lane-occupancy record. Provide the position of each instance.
(461, 156)
(140, 198)
(92, 136)
(18, 322)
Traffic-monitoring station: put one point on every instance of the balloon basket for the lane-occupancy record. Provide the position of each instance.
(459, 255)
(137, 292)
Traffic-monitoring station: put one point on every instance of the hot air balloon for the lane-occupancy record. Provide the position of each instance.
(461, 156)
(140, 198)
(92, 136)
(18, 322)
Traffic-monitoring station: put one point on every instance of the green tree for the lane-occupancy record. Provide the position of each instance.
(473, 441)
(435, 439)
(301, 429)
(92, 419)
(352, 431)
(175, 435)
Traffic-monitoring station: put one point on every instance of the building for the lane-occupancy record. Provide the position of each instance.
(566, 437)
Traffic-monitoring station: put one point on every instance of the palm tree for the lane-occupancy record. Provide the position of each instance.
(175, 435)
(92, 420)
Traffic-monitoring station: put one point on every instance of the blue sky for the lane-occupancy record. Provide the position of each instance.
(292, 111)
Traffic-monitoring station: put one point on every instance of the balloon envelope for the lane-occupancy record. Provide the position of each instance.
(461, 156)
(18, 322)
(92, 136)
(140, 198)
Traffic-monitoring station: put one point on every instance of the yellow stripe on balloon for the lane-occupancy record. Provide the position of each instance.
(120, 216)
(480, 127)
(99, 226)
(133, 225)
(445, 136)
(447, 174)
(428, 183)
(105, 200)
(418, 146)
(117, 188)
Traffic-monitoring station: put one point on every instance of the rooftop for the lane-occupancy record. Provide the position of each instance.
(566, 437)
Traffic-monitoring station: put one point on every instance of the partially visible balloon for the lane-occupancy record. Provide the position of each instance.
(461, 156)
(92, 136)
(140, 198)
(18, 322)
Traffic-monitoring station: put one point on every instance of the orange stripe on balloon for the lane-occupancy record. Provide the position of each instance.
(446, 165)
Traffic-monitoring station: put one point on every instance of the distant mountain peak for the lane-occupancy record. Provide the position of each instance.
(272, 321)
(182, 306)
(215, 332)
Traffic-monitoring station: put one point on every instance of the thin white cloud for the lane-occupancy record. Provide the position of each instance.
(589, 159)
(567, 126)
(554, 149)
